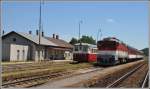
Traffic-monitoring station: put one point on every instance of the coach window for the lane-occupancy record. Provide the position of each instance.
(93, 51)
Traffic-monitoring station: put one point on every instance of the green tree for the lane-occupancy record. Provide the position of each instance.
(87, 39)
(73, 41)
(145, 51)
(83, 39)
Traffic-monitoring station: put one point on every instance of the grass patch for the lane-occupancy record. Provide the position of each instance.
(9, 63)
(45, 70)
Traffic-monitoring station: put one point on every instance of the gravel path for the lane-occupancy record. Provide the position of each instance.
(83, 74)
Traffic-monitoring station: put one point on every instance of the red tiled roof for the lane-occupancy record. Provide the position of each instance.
(60, 42)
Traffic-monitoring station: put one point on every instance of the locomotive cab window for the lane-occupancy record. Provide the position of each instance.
(107, 44)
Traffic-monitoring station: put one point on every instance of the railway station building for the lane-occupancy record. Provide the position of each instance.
(17, 46)
(64, 50)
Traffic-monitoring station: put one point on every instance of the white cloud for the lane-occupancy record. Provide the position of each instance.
(110, 20)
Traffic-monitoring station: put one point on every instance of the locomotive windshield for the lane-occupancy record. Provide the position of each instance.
(106, 45)
(83, 48)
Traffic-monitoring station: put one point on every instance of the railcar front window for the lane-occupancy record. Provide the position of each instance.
(76, 48)
(85, 48)
(80, 47)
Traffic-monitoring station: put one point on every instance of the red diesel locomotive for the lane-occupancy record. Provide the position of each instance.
(112, 51)
(84, 52)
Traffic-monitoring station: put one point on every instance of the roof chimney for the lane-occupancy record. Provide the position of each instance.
(3, 32)
(37, 32)
(53, 35)
(42, 33)
(30, 32)
(57, 36)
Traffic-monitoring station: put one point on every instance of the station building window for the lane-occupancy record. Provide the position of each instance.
(14, 39)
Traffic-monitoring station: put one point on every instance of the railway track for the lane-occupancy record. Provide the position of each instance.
(32, 81)
(145, 82)
(38, 80)
(127, 75)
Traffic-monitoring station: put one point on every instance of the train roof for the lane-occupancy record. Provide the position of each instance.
(117, 40)
(112, 39)
(91, 45)
(134, 49)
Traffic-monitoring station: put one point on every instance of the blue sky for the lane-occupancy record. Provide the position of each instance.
(128, 21)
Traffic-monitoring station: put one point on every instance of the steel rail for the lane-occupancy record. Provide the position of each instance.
(123, 77)
(32, 78)
(145, 80)
(43, 76)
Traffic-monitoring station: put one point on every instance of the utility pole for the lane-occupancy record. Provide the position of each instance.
(80, 22)
(99, 32)
(40, 22)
